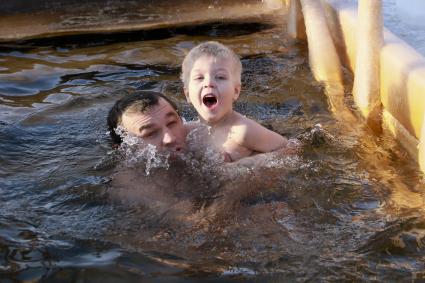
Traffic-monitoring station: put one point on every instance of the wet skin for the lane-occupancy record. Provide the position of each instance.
(160, 126)
(213, 88)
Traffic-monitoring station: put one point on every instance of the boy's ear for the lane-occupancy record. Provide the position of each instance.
(186, 93)
(237, 92)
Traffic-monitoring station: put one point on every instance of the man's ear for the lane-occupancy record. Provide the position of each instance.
(186, 93)
(237, 91)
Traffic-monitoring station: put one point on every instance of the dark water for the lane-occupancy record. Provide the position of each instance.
(348, 208)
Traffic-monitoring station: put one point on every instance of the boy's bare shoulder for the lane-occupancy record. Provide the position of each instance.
(254, 136)
(246, 127)
(239, 128)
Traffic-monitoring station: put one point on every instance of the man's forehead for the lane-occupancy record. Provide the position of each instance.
(163, 108)
(160, 107)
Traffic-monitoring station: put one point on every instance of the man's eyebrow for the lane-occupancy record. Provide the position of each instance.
(171, 114)
(145, 127)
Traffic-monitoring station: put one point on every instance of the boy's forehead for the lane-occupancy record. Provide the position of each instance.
(221, 60)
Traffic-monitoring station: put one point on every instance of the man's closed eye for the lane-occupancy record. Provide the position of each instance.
(172, 123)
(150, 134)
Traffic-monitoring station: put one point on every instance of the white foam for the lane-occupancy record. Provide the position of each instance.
(137, 152)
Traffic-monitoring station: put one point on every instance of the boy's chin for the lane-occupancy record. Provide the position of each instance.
(210, 119)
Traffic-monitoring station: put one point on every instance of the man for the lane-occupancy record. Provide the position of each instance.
(152, 117)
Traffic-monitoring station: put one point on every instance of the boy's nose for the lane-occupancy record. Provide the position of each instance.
(208, 82)
(209, 86)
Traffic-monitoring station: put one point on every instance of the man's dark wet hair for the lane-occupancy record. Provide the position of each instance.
(141, 101)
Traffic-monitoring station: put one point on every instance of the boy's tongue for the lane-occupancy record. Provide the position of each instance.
(209, 100)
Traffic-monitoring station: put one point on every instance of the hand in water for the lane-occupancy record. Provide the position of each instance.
(293, 147)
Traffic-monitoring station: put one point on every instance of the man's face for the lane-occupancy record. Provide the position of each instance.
(160, 126)
(212, 88)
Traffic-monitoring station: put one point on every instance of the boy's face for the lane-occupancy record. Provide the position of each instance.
(160, 126)
(213, 87)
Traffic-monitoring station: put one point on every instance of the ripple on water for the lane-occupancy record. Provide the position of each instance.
(70, 213)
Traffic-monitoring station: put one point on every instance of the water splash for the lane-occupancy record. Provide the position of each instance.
(137, 152)
(316, 136)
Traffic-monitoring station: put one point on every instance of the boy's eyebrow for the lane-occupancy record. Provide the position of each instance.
(222, 69)
(196, 70)
(218, 69)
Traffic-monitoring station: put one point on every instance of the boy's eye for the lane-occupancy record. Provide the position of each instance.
(221, 77)
(198, 78)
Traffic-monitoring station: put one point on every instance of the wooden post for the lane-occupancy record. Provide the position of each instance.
(324, 60)
(367, 78)
(274, 4)
(421, 147)
(295, 20)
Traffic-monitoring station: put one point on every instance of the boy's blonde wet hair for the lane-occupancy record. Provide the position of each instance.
(209, 48)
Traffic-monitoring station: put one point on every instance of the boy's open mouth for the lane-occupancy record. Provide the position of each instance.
(209, 100)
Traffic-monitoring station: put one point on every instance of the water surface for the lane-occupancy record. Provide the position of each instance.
(404, 18)
(348, 208)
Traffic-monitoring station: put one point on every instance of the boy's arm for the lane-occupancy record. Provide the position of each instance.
(260, 139)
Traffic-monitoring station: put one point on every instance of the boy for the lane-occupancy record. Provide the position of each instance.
(211, 75)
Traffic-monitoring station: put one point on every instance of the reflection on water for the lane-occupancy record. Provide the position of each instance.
(404, 18)
(348, 208)
(412, 11)
(68, 17)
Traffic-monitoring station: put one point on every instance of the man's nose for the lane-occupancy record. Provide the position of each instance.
(168, 138)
